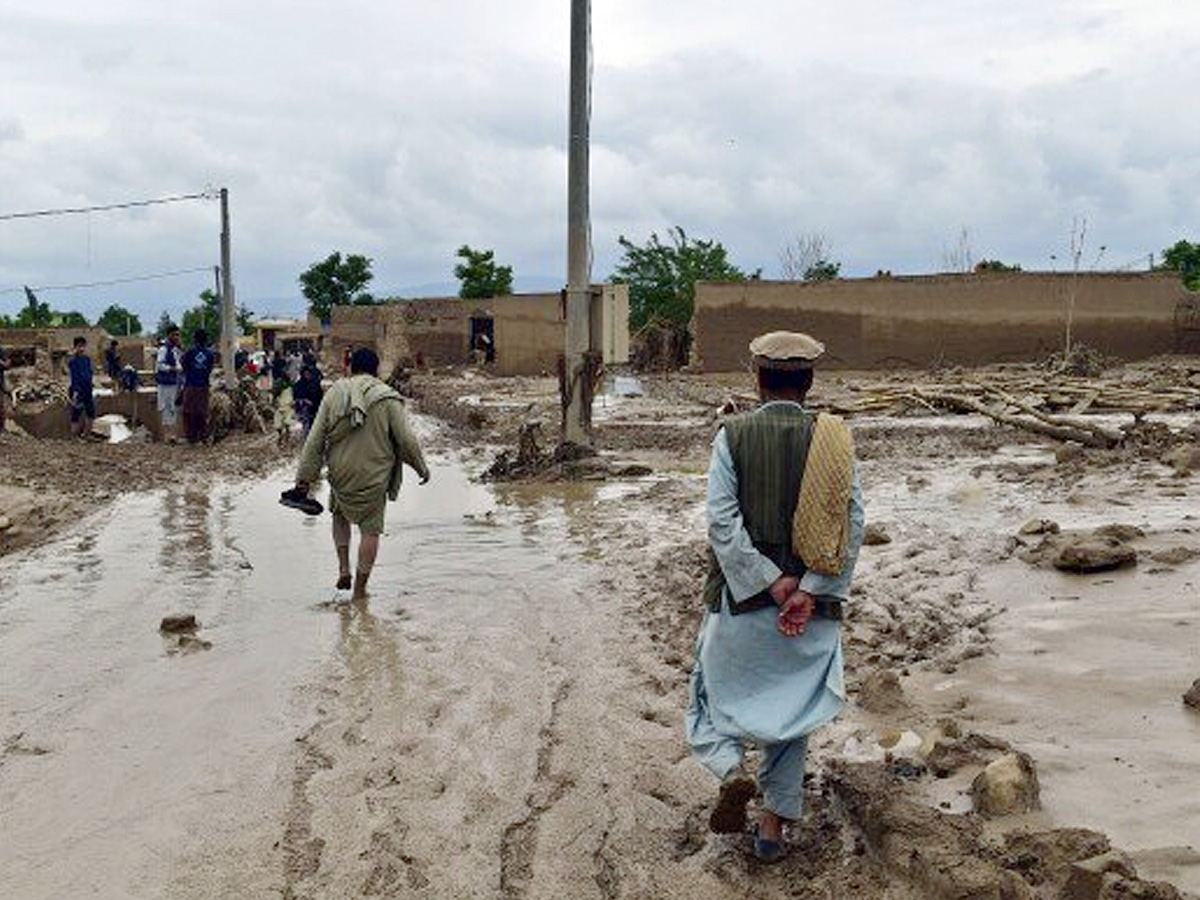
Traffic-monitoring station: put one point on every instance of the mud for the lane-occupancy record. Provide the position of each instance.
(503, 718)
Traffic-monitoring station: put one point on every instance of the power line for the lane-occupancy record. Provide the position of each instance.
(130, 280)
(207, 194)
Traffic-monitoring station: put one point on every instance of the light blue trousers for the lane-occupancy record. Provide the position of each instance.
(780, 767)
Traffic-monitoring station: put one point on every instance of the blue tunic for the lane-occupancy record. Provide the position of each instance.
(751, 684)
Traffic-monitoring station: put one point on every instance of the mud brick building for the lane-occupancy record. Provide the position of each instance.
(523, 334)
(913, 321)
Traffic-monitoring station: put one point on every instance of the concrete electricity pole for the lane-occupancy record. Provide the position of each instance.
(577, 371)
(228, 339)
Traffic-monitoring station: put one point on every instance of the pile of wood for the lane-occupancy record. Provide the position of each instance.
(1054, 405)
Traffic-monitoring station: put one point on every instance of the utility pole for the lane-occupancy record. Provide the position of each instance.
(577, 368)
(228, 348)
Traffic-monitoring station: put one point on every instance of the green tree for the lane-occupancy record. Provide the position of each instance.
(662, 277)
(1184, 258)
(71, 319)
(35, 314)
(807, 259)
(336, 282)
(994, 265)
(823, 270)
(118, 320)
(164, 325)
(206, 315)
(479, 277)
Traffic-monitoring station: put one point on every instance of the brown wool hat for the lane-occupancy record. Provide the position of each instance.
(785, 350)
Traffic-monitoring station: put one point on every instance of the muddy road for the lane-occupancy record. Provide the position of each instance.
(486, 726)
(503, 718)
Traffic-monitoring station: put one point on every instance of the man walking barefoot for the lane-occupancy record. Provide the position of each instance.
(785, 523)
(362, 432)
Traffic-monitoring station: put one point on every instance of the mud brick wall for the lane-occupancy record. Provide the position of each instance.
(912, 321)
(528, 331)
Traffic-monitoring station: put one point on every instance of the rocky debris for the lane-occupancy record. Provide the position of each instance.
(1006, 786)
(1095, 556)
(943, 856)
(187, 644)
(1045, 858)
(945, 750)
(1174, 556)
(179, 623)
(1039, 526)
(1184, 459)
(1192, 697)
(568, 462)
(1088, 876)
(881, 692)
(875, 535)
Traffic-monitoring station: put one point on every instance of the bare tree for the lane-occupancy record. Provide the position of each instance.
(803, 256)
(959, 258)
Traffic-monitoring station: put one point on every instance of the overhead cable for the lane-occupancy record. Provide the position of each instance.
(208, 194)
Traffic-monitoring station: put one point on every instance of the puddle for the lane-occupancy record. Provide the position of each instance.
(117, 752)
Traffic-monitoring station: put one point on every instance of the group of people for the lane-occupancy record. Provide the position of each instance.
(182, 379)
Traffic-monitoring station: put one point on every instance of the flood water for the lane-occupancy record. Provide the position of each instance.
(120, 751)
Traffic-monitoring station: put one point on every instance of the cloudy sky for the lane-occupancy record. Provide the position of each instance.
(403, 130)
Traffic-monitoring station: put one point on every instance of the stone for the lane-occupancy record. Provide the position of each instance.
(1192, 697)
(1121, 533)
(1183, 459)
(1095, 556)
(1007, 785)
(1039, 526)
(179, 623)
(5, 522)
(875, 535)
(1087, 877)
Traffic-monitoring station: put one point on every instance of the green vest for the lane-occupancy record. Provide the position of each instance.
(769, 448)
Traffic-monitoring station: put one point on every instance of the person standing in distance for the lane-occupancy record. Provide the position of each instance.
(198, 364)
(362, 433)
(785, 521)
(168, 378)
(83, 403)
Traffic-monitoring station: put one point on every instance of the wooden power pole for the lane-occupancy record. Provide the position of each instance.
(577, 358)
(228, 331)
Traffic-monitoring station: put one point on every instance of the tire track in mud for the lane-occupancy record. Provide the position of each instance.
(518, 844)
(301, 850)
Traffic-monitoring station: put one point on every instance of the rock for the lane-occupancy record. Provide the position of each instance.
(881, 692)
(1183, 459)
(1039, 526)
(1192, 697)
(5, 522)
(1174, 556)
(946, 754)
(1095, 556)
(1006, 786)
(179, 623)
(189, 644)
(1119, 532)
(1087, 876)
(874, 535)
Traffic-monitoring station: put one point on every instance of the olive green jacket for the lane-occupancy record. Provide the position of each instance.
(362, 433)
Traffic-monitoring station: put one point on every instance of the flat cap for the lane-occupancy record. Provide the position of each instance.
(786, 350)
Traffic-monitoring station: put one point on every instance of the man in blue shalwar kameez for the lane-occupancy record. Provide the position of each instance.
(768, 666)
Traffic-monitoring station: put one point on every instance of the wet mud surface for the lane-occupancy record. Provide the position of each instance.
(503, 718)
